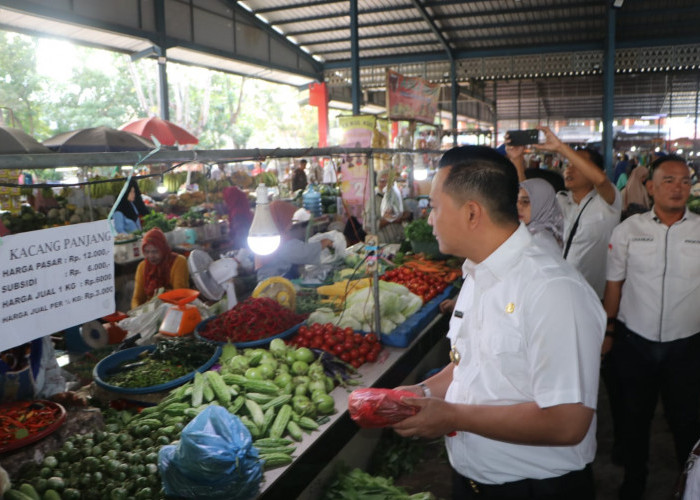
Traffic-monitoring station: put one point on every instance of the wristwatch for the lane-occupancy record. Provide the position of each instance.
(426, 390)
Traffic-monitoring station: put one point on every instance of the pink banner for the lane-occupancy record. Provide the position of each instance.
(411, 98)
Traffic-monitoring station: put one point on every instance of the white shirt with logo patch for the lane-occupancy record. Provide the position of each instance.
(528, 328)
(660, 266)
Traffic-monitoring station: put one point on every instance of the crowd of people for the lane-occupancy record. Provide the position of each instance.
(579, 290)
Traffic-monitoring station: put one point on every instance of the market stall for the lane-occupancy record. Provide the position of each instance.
(405, 319)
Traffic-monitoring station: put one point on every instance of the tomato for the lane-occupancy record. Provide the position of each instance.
(348, 331)
(361, 359)
(354, 353)
(364, 349)
(303, 329)
(358, 337)
(316, 342)
(338, 349)
(327, 347)
(371, 338)
(355, 363)
(348, 344)
(372, 356)
(345, 357)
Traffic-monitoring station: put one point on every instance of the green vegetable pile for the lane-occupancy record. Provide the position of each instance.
(358, 485)
(279, 394)
(307, 301)
(159, 220)
(395, 456)
(151, 372)
(694, 204)
(171, 359)
(420, 231)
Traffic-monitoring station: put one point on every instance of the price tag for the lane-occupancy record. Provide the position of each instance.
(54, 279)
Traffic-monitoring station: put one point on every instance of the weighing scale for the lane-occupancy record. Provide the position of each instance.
(182, 318)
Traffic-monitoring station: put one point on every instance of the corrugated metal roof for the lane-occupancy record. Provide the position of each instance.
(558, 43)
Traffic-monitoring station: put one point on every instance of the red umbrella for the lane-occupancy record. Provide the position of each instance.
(167, 133)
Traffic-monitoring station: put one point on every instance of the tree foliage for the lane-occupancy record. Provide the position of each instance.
(222, 110)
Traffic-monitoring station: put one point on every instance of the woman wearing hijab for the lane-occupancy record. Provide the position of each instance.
(539, 210)
(635, 198)
(291, 222)
(240, 216)
(161, 268)
(130, 207)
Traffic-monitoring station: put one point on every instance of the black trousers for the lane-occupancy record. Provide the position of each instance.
(645, 370)
(576, 485)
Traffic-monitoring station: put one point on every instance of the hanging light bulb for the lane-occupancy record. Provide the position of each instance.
(420, 174)
(263, 237)
(161, 186)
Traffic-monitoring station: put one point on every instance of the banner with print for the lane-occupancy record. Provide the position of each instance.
(411, 98)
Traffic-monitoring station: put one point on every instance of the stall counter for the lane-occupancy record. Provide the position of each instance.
(317, 449)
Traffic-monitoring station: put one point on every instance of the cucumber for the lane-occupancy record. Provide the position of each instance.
(17, 495)
(29, 490)
(276, 460)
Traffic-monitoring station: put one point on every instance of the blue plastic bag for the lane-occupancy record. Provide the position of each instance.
(214, 459)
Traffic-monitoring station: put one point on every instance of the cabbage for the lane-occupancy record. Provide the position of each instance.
(392, 287)
(322, 315)
(397, 318)
(387, 325)
(348, 321)
(412, 303)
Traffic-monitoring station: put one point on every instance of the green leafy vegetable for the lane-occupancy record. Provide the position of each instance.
(419, 230)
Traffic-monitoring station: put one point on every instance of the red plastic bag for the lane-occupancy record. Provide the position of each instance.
(371, 408)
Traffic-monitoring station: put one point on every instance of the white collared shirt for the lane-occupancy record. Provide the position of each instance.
(588, 248)
(661, 269)
(530, 330)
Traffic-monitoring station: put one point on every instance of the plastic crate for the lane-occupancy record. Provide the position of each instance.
(403, 335)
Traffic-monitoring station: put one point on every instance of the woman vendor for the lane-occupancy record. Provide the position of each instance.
(161, 268)
(291, 222)
(129, 209)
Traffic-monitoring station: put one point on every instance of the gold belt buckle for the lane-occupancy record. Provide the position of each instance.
(475, 487)
(455, 357)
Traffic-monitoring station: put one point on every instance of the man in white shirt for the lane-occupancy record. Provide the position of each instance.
(592, 206)
(518, 400)
(652, 300)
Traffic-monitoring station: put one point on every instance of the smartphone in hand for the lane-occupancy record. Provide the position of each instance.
(523, 137)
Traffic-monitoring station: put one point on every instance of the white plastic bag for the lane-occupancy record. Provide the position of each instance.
(337, 254)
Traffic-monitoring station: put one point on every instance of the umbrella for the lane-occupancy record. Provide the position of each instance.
(16, 141)
(167, 133)
(98, 140)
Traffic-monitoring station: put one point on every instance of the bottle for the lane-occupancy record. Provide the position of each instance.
(312, 200)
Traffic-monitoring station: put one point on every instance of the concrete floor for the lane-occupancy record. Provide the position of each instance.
(434, 474)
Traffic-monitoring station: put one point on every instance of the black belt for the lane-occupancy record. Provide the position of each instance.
(580, 481)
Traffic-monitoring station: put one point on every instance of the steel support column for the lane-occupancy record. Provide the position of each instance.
(454, 93)
(355, 59)
(609, 93)
(159, 11)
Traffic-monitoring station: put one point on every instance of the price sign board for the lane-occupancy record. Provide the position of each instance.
(54, 279)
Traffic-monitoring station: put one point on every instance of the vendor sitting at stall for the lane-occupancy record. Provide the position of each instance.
(30, 371)
(291, 222)
(161, 268)
(129, 209)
